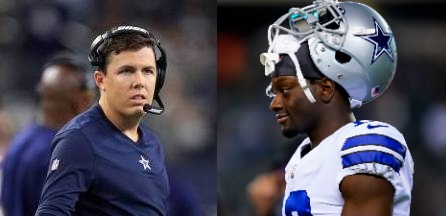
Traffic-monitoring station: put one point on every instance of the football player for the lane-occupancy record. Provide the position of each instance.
(327, 59)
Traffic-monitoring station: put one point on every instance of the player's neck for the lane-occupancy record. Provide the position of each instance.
(127, 125)
(328, 126)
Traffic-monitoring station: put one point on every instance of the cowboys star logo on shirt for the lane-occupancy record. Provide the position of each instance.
(145, 163)
(381, 42)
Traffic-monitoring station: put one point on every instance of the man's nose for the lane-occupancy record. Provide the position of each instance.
(276, 104)
(139, 80)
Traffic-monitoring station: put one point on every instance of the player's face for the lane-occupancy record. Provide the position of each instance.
(60, 94)
(129, 82)
(294, 111)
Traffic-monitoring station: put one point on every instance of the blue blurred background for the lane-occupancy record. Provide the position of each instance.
(33, 30)
(249, 138)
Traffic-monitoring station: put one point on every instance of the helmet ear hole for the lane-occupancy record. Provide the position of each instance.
(342, 57)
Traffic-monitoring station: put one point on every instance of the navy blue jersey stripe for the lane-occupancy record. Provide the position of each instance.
(371, 157)
(375, 139)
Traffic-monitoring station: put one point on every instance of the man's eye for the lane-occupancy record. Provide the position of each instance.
(149, 71)
(125, 71)
(286, 91)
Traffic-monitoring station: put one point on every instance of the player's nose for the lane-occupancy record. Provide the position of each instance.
(138, 81)
(276, 104)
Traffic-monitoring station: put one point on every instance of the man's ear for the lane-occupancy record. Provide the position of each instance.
(326, 89)
(99, 80)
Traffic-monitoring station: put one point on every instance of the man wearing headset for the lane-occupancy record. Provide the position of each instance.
(104, 162)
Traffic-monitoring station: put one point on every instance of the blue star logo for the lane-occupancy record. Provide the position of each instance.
(381, 42)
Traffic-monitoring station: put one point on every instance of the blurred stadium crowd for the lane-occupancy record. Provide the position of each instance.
(33, 30)
(415, 103)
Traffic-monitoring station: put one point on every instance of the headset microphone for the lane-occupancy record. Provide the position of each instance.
(148, 108)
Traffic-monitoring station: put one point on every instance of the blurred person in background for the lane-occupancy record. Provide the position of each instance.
(266, 189)
(64, 93)
(335, 57)
(104, 162)
(6, 133)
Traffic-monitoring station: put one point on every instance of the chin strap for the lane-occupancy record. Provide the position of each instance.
(355, 103)
(300, 77)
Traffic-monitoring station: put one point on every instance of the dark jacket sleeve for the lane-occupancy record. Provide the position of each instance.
(70, 173)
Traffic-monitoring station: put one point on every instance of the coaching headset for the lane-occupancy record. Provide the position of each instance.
(97, 58)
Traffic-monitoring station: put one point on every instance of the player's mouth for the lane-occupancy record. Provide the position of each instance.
(281, 117)
(138, 98)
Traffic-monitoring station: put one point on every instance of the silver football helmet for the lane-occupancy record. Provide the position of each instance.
(349, 42)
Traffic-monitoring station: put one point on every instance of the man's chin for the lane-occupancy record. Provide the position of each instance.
(289, 133)
(140, 112)
(136, 112)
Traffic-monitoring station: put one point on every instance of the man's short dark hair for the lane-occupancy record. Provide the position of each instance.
(122, 42)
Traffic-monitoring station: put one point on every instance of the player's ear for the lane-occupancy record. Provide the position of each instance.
(99, 79)
(326, 89)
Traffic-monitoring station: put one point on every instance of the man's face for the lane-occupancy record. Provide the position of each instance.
(61, 97)
(129, 82)
(294, 111)
(58, 88)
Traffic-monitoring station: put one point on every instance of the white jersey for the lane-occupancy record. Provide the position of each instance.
(313, 181)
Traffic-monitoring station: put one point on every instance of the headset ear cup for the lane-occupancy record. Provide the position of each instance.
(158, 83)
(161, 65)
(160, 79)
(94, 59)
(94, 54)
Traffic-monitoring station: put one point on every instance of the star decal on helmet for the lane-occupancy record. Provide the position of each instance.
(381, 42)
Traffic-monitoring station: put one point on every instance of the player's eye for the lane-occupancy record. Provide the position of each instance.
(148, 71)
(285, 91)
(126, 70)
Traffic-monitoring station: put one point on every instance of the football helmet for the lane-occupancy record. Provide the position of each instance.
(349, 42)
